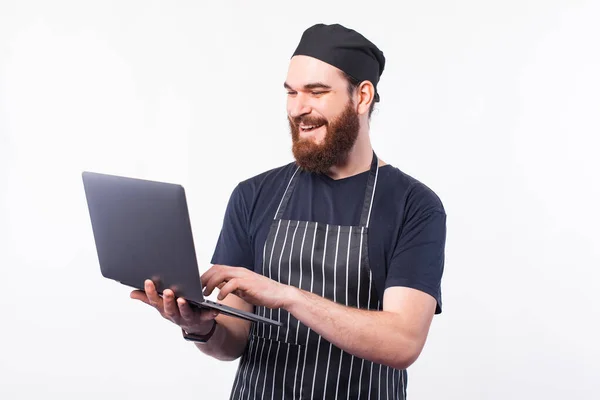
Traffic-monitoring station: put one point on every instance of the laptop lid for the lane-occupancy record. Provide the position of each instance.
(142, 231)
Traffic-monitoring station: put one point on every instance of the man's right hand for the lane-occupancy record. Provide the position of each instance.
(192, 319)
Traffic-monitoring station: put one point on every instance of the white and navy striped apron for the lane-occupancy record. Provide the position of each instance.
(292, 361)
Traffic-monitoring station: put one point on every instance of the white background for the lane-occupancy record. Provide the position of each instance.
(494, 105)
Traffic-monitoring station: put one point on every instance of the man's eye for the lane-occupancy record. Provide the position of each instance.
(291, 93)
(317, 93)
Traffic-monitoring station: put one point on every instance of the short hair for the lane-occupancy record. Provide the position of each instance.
(352, 86)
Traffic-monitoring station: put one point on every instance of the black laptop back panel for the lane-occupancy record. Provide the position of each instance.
(142, 231)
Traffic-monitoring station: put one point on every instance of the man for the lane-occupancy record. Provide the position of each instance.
(346, 250)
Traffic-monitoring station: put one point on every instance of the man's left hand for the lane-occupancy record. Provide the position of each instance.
(248, 285)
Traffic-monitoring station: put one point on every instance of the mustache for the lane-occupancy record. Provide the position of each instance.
(308, 120)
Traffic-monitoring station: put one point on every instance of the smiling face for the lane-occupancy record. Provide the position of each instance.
(323, 120)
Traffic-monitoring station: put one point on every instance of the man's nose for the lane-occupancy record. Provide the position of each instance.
(298, 107)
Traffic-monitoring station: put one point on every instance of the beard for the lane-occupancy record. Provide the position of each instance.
(340, 137)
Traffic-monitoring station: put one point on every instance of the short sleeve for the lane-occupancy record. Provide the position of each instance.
(418, 258)
(233, 246)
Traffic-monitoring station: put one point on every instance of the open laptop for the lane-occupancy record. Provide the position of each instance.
(142, 231)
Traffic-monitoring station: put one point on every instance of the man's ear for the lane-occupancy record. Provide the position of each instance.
(366, 96)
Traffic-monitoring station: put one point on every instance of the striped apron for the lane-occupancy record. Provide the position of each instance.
(292, 361)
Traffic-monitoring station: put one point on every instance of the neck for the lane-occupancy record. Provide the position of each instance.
(358, 161)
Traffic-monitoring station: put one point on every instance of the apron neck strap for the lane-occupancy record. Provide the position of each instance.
(370, 192)
(286, 196)
(367, 203)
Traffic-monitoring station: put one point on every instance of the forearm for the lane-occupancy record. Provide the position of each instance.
(227, 342)
(378, 336)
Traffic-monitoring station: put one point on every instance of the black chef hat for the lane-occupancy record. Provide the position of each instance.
(345, 49)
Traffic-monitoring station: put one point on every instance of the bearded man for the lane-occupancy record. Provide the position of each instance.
(345, 250)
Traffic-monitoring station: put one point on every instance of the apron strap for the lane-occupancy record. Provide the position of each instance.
(286, 196)
(370, 192)
(367, 203)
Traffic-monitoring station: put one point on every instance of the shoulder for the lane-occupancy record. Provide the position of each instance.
(412, 193)
(268, 182)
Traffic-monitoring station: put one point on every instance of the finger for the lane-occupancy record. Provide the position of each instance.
(219, 278)
(189, 314)
(139, 295)
(185, 310)
(231, 286)
(215, 270)
(152, 294)
(143, 300)
(171, 309)
(209, 274)
(224, 275)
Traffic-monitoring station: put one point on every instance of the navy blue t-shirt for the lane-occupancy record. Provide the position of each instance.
(407, 230)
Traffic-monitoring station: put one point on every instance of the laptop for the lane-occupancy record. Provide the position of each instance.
(142, 231)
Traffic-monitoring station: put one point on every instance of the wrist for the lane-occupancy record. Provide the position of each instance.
(200, 337)
(294, 297)
(202, 329)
